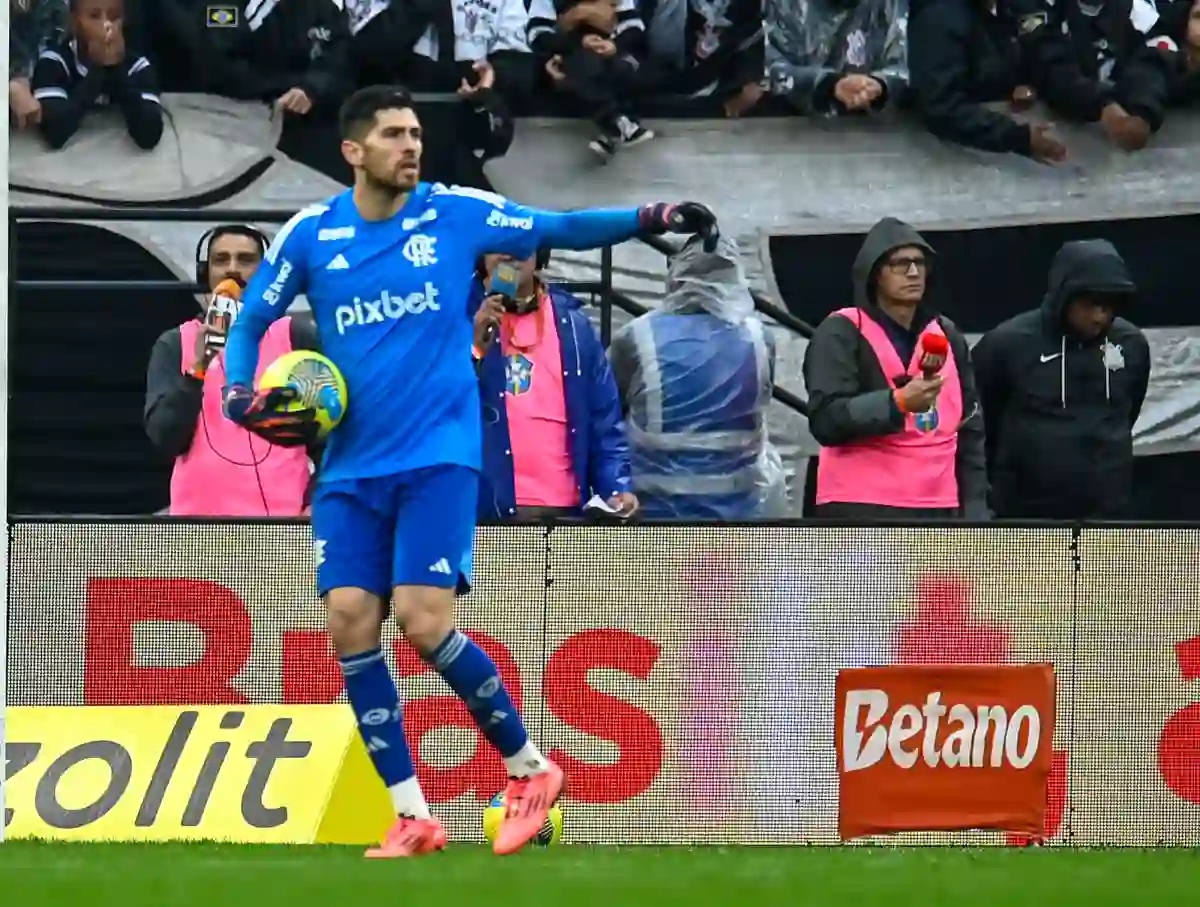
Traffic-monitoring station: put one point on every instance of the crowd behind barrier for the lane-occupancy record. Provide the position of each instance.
(683, 674)
(970, 71)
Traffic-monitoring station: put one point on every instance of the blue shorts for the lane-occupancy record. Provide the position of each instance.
(413, 528)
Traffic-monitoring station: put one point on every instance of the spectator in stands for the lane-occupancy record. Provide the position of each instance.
(93, 67)
(383, 35)
(703, 49)
(488, 40)
(552, 430)
(1109, 69)
(33, 25)
(220, 468)
(591, 51)
(293, 55)
(894, 443)
(489, 67)
(1062, 387)
(696, 376)
(829, 57)
(962, 55)
(1186, 89)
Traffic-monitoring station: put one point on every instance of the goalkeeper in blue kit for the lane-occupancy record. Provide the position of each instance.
(387, 269)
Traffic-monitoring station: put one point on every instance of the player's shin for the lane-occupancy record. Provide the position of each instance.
(472, 674)
(376, 703)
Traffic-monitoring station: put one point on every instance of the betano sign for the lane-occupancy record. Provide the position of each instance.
(944, 748)
(686, 678)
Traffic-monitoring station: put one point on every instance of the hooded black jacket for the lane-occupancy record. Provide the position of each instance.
(1059, 420)
(849, 398)
(264, 49)
(1071, 73)
(961, 56)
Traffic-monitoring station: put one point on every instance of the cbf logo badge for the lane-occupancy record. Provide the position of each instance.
(222, 17)
(926, 422)
(519, 372)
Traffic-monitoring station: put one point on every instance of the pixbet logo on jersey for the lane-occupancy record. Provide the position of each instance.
(387, 306)
(943, 748)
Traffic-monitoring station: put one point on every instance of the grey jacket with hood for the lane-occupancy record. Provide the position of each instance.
(849, 397)
(1060, 409)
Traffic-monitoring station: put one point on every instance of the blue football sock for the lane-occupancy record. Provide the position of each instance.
(473, 676)
(376, 704)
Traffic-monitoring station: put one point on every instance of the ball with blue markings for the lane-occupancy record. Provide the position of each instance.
(550, 833)
(318, 384)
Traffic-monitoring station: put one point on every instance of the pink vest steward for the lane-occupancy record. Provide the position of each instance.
(914, 467)
(204, 483)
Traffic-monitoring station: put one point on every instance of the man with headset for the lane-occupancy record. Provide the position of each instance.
(220, 468)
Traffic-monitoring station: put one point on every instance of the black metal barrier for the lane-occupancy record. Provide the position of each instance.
(602, 292)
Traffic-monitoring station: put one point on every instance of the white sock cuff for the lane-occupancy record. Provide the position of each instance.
(408, 799)
(526, 761)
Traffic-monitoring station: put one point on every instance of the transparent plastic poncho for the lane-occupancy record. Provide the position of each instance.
(695, 377)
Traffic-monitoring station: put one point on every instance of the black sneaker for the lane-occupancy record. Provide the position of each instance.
(633, 132)
(605, 144)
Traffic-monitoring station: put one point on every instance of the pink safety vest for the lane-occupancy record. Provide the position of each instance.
(914, 467)
(204, 482)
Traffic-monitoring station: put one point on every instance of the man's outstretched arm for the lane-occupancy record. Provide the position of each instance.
(497, 225)
(596, 227)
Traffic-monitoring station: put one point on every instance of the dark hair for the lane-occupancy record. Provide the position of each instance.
(357, 115)
(73, 6)
(204, 246)
(237, 230)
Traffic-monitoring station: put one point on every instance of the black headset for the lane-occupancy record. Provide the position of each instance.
(209, 236)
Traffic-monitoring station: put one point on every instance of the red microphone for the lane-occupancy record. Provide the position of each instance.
(934, 349)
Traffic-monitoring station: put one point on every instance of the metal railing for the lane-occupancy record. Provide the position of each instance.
(601, 290)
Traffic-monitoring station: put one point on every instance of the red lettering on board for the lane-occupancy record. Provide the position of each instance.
(115, 607)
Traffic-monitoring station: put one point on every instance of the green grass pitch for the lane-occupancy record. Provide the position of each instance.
(192, 875)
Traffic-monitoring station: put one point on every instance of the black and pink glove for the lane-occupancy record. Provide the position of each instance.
(685, 217)
(260, 413)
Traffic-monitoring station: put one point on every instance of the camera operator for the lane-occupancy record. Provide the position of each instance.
(220, 468)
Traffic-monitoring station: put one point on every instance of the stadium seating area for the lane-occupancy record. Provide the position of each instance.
(967, 71)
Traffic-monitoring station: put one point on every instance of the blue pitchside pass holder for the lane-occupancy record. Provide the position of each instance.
(506, 280)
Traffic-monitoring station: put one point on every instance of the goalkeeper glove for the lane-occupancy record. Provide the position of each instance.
(261, 414)
(685, 217)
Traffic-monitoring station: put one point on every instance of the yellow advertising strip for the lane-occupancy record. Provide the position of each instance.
(243, 774)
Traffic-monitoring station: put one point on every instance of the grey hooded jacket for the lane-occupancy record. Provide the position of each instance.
(849, 397)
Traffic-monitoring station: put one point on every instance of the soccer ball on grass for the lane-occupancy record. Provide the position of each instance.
(548, 834)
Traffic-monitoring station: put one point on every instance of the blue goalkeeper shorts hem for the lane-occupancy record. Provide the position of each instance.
(414, 528)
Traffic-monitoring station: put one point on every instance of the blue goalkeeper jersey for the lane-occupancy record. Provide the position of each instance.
(390, 299)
